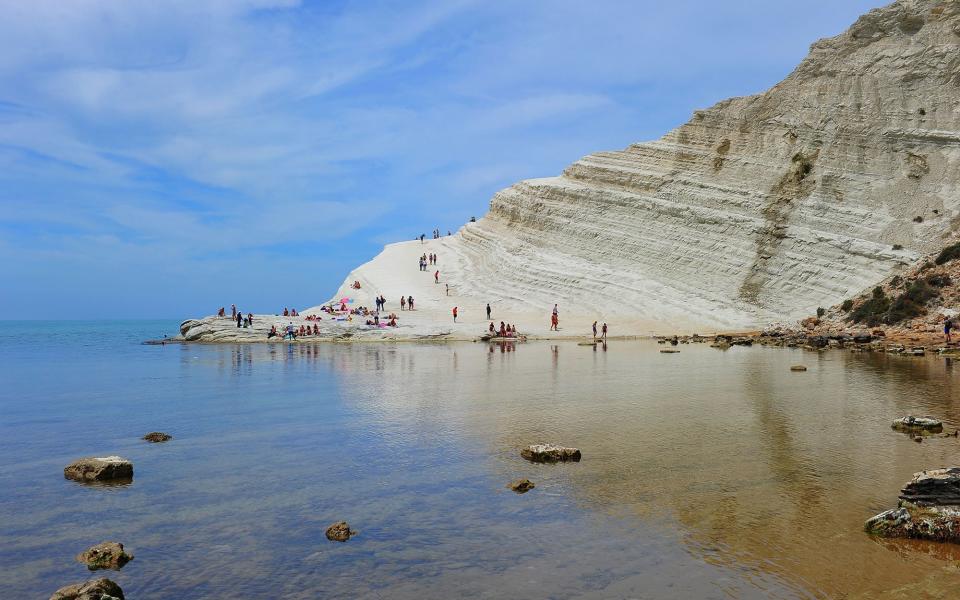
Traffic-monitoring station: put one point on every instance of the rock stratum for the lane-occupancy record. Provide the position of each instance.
(759, 209)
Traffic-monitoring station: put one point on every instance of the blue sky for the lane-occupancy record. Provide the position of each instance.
(163, 158)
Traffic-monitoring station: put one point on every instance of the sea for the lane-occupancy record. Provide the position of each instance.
(705, 474)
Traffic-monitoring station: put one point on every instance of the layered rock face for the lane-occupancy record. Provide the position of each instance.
(760, 208)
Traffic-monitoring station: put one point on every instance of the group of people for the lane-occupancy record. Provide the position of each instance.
(603, 331)
(390, 322)
(506, 330)
(406, 303)
(290, 312)
(237, 315)
(427, 260)
(381, 302)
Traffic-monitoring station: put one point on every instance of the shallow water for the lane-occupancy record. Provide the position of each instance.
(706, 474)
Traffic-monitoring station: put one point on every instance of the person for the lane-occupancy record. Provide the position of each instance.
(947, 326)
(594, 330)
(554, 321)
(316, 330)
(513, 329)
(454, 314)
(436, 277)
(503, 329)
(290, 333)
(421, 238)
(488, 311)
(410, 302)
(403, 303)
(239, 317)
(220, 312)
(250, 318)
(233, 311)
(286, 311)
(273, 332)
(492, 329)
(448, 289)
(603, 331)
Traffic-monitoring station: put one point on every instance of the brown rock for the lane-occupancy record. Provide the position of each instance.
(550, 453)
(798, 368)
(157, 436)
(99, 469)
(106, 555)
(97, 589)
(340, 532)
(521, 486)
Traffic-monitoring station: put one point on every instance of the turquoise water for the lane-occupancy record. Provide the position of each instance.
(706, 474)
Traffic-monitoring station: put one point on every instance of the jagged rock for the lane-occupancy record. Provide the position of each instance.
(669, 352)
(340, 532)
(798, 368)
(912, 423)
(521, 486)
(929, 508)
(106, 555)
(99, 469)
(157, 437)
(939, 487)
(98, 589)
(550, 453)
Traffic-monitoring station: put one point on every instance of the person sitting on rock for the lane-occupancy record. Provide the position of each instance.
(273, 332)
(316, 330)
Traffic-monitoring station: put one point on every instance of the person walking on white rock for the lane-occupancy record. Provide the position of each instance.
(448, 289)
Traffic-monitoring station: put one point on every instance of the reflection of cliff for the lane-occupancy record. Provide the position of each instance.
(762, 207)
(761, 469)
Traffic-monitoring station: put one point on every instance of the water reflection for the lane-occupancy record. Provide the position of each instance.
(704, 474)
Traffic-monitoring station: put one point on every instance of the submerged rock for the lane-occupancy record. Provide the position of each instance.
(798, 368)
(912, 423)
(97, 589)
(106, 555)
(521, 486)
(157, 437)
(550, 453)
(99, 469)
(340, 532)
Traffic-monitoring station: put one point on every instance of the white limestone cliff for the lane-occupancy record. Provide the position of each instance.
(758, 209)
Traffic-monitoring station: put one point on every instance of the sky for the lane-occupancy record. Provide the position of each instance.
(162, 158)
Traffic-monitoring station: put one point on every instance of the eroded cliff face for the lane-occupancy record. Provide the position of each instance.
(760, 208)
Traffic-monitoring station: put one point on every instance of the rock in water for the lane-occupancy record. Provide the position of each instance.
(521, 486)
(912, 423)
(105, 468)
(940, 487)
(929, 509)
(550, 453)
(106, 555)
(798, 368)
(340, 532)
(157, 436)
(98, 589)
